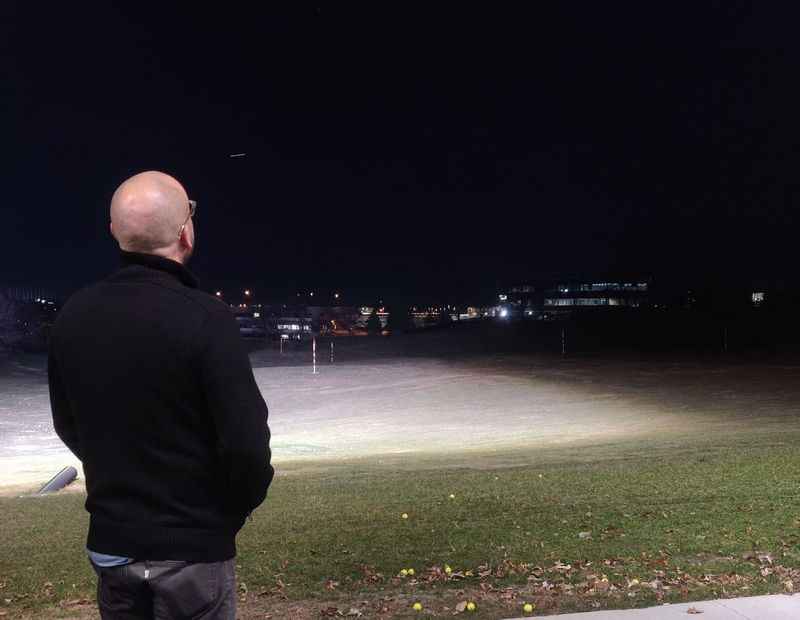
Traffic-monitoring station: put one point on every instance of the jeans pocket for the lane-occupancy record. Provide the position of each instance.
(191, 590)
(115, 592)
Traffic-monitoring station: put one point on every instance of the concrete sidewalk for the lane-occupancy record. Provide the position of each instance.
(771, 607)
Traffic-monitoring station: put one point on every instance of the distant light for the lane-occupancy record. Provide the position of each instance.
(503, 297)
(218, 293)
(247, 293)
(237, 155)
(504, 313)
(336, 295)
(37, 300)
(312, 293)
(256, 315)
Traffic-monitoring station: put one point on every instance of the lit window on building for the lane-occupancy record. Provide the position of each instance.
(559, 302)
(591, 301)
(758, 298)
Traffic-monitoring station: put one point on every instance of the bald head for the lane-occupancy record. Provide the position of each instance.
(147, 212)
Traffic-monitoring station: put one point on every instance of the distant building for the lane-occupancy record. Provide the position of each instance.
(300, 321)
(597, 294)
(366, 311)
(294, 327)
(273, 321)
(428, 316)
(251, 326)
(334, 320)
(549, 300)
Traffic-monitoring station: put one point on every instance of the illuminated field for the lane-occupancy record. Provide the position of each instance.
(404, 405)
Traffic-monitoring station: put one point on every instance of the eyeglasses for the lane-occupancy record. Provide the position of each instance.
(192, 209)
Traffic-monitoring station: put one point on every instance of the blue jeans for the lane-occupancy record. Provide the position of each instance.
(167, 590)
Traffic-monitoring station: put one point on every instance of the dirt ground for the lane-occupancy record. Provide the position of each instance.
(378, 605)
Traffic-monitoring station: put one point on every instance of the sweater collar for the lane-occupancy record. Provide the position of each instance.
(162, 264)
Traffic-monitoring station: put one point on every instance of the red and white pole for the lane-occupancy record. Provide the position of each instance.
(314, 354)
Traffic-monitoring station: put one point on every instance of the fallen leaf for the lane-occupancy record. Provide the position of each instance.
(694, 610)
(75, 601)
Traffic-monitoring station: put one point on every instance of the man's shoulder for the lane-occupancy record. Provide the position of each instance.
(97, 293)
(193, 299)
(207, 302)
(77, 299)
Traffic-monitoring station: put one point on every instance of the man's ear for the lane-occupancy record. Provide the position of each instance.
(184, 238)
(111, 228)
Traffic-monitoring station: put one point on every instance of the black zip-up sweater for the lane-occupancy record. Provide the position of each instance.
(152, 389)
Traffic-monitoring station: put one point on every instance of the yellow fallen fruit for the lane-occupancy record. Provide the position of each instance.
(403, 572)
(447, 569)
(527, 608)
(471, 606)
(411, 571)
(417, 606)
(404, 515)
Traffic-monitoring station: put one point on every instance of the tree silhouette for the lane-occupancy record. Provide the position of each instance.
(374, 323)
(400, 319)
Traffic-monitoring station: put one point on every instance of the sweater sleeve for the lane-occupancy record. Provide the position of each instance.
(63, 417)
(238, 411)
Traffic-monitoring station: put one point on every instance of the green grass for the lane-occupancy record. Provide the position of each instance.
(694, 516)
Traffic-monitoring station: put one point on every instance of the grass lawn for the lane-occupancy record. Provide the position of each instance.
(566, 529)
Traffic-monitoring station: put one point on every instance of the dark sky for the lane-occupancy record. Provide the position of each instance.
(392, 148)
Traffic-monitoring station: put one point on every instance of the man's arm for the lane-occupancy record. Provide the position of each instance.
(238, 410)
(63, 418)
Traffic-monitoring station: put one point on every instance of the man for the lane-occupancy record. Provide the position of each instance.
(152, 389)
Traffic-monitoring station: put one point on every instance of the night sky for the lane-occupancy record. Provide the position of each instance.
(392, 150)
